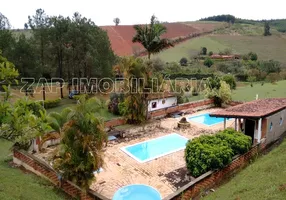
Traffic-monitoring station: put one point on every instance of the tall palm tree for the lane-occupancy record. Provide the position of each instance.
(82, 141)
(149, 37)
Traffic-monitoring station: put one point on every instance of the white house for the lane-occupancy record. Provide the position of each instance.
(157, 102)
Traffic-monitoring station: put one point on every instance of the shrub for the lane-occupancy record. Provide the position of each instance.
(78, 97)
(283, 75)
(251, 79)
(215, 151)
(115, 99)
(238, 142)
(203, 51)
(226, 51)
(230, 79)
(208, 62)
(245, 57)
(220, 93)
(252, 56)
(52, 103)
(184, 61)
(272, 77)
(211, 53)
(206, 153)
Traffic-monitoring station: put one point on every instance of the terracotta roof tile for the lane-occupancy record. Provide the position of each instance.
(254, 109)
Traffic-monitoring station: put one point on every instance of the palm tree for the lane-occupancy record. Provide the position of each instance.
(82, 141)
(149, 37)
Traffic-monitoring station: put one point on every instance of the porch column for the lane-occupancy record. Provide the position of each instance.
(224, 123)
(259, 130)
(235, 124)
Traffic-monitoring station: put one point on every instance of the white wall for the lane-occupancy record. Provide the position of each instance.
(169, 102)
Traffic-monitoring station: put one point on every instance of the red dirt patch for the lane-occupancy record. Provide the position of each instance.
(121, 36)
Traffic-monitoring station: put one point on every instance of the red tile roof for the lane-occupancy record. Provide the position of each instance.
(121, 36)
(254, 109)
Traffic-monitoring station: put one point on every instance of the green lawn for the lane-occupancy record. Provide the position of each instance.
(72, 103)
(264, 179)
(272, 47)
(15, 184)
(190, 48)
(248, 93)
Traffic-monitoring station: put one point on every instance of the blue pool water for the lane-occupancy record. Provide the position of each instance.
(137, 192)
(151, 149)
(206, 119)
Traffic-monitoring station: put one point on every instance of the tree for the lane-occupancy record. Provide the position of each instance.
(149, 37)
(39, 23)
(136, 77)
(219, 91)
(252, 56)
(208, 62)
(4, 22)
(23, 55)
(203, 51)
(58, 38)
(116, 21)
(266, 29)
(184, 61)
(80, 151)
(6, 38)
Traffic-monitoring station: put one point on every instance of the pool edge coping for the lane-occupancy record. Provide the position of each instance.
(153, 158)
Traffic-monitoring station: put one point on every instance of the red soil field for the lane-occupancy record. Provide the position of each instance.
(121, 36)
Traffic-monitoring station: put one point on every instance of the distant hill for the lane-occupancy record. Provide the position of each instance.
(278, 24)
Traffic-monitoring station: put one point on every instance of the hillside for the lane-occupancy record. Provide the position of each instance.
(263, 179)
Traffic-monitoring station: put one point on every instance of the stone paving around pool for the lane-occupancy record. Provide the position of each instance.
(121, 170)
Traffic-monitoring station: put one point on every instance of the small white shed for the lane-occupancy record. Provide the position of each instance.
(157, 102)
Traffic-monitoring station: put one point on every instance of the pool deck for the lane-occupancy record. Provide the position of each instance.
(166, 173)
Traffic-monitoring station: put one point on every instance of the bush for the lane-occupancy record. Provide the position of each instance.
(184, 61)
(252, 56)
(206, 153)
(251, 79)
(203, 51)
(272, 77)
(52, 103)
(211, 53)
(215, 151)
(221, 93)
(230, 80)
(238, 142)
(115, 99)
(78, 97)
(208, 62)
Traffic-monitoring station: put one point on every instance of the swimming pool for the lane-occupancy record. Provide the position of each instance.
(154, 148)
(137, 192)
(206, 119)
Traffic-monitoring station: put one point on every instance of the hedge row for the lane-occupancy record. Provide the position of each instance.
(51, 103)
(188, 76)
(210, 152)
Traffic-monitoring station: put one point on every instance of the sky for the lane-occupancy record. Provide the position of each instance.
(102, 12)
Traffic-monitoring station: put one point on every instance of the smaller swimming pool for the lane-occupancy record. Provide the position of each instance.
(137, 192)
(154, 148)
(206, 119)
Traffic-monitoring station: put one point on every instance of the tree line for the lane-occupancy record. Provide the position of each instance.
(58, 46)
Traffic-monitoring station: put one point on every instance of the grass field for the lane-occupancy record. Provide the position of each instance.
(190, 48)
(262, 180)
(248, 93)
(16, 184)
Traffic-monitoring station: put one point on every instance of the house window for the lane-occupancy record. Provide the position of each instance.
(154, 104)
(271, 126)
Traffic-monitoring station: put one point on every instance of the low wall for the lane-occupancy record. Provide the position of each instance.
(213, 178)
(164, 112)
(42, 169)
(114, 122)
(180, 107)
